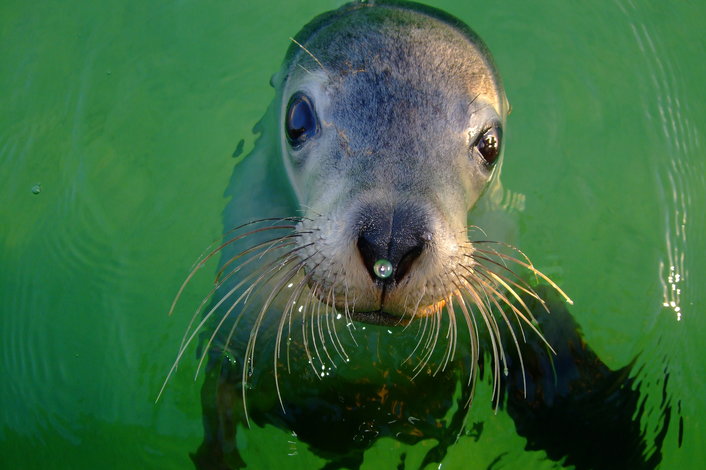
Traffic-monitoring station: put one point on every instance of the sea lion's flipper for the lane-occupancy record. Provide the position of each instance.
(577, 409)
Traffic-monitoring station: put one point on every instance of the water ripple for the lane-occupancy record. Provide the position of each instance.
(671, 359)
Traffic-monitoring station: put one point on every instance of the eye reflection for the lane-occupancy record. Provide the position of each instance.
(300, 122)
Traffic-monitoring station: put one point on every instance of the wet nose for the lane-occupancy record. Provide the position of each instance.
(389, 241)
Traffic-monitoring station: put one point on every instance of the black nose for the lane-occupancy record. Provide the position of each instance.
(395, 235)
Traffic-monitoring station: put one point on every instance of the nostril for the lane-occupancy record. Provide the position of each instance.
(390, 240)
(406, 262)
(370, 254)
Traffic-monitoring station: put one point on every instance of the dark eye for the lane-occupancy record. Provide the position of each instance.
(488, 145)
(300, 122)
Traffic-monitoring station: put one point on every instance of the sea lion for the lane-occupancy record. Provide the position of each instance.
(350, 303)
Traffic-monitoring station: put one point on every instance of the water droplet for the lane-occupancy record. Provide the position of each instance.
(382, 268)
(230, 357)
(37, 188)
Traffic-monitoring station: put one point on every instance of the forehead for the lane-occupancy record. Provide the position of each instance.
(395, 72)
(398, 44)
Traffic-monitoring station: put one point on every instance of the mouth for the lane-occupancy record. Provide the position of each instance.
(383, 318)
(380, 318)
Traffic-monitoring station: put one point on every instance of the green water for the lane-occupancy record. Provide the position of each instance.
(118, 125)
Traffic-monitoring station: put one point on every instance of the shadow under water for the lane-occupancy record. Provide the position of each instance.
(569, 404)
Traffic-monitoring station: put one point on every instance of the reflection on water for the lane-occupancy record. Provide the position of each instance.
(663, 110)
(680, 179)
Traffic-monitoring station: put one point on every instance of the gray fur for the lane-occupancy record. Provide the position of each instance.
(402, 97)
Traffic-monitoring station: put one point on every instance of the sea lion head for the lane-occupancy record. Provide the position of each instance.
(392, 120)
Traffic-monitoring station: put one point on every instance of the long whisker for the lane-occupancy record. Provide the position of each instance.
(311, 297)
(305, 335)
(469, 317)
(249, 362)
(475, 342)
(421, 331)
(305, 332)
(520, 283)
(350, 324)
(220, 282)
(474, 227)
(269, 271)
(503, 244)
(204, 320)
(450, 336)
(316, 346)
(430, 345)
(308, 52)
(493, 277)
(217, 250)
(331, 302)
(332, 331)
(494, 334)
(531, 268)
(290, 304)
(268, 246)
(527, 319)
(209, 248)
(415, 309)
(493, 298)
(331, 324)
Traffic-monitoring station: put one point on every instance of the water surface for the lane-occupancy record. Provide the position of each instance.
(118, 127)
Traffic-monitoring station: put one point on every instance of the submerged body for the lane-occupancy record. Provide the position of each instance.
(350, 303)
